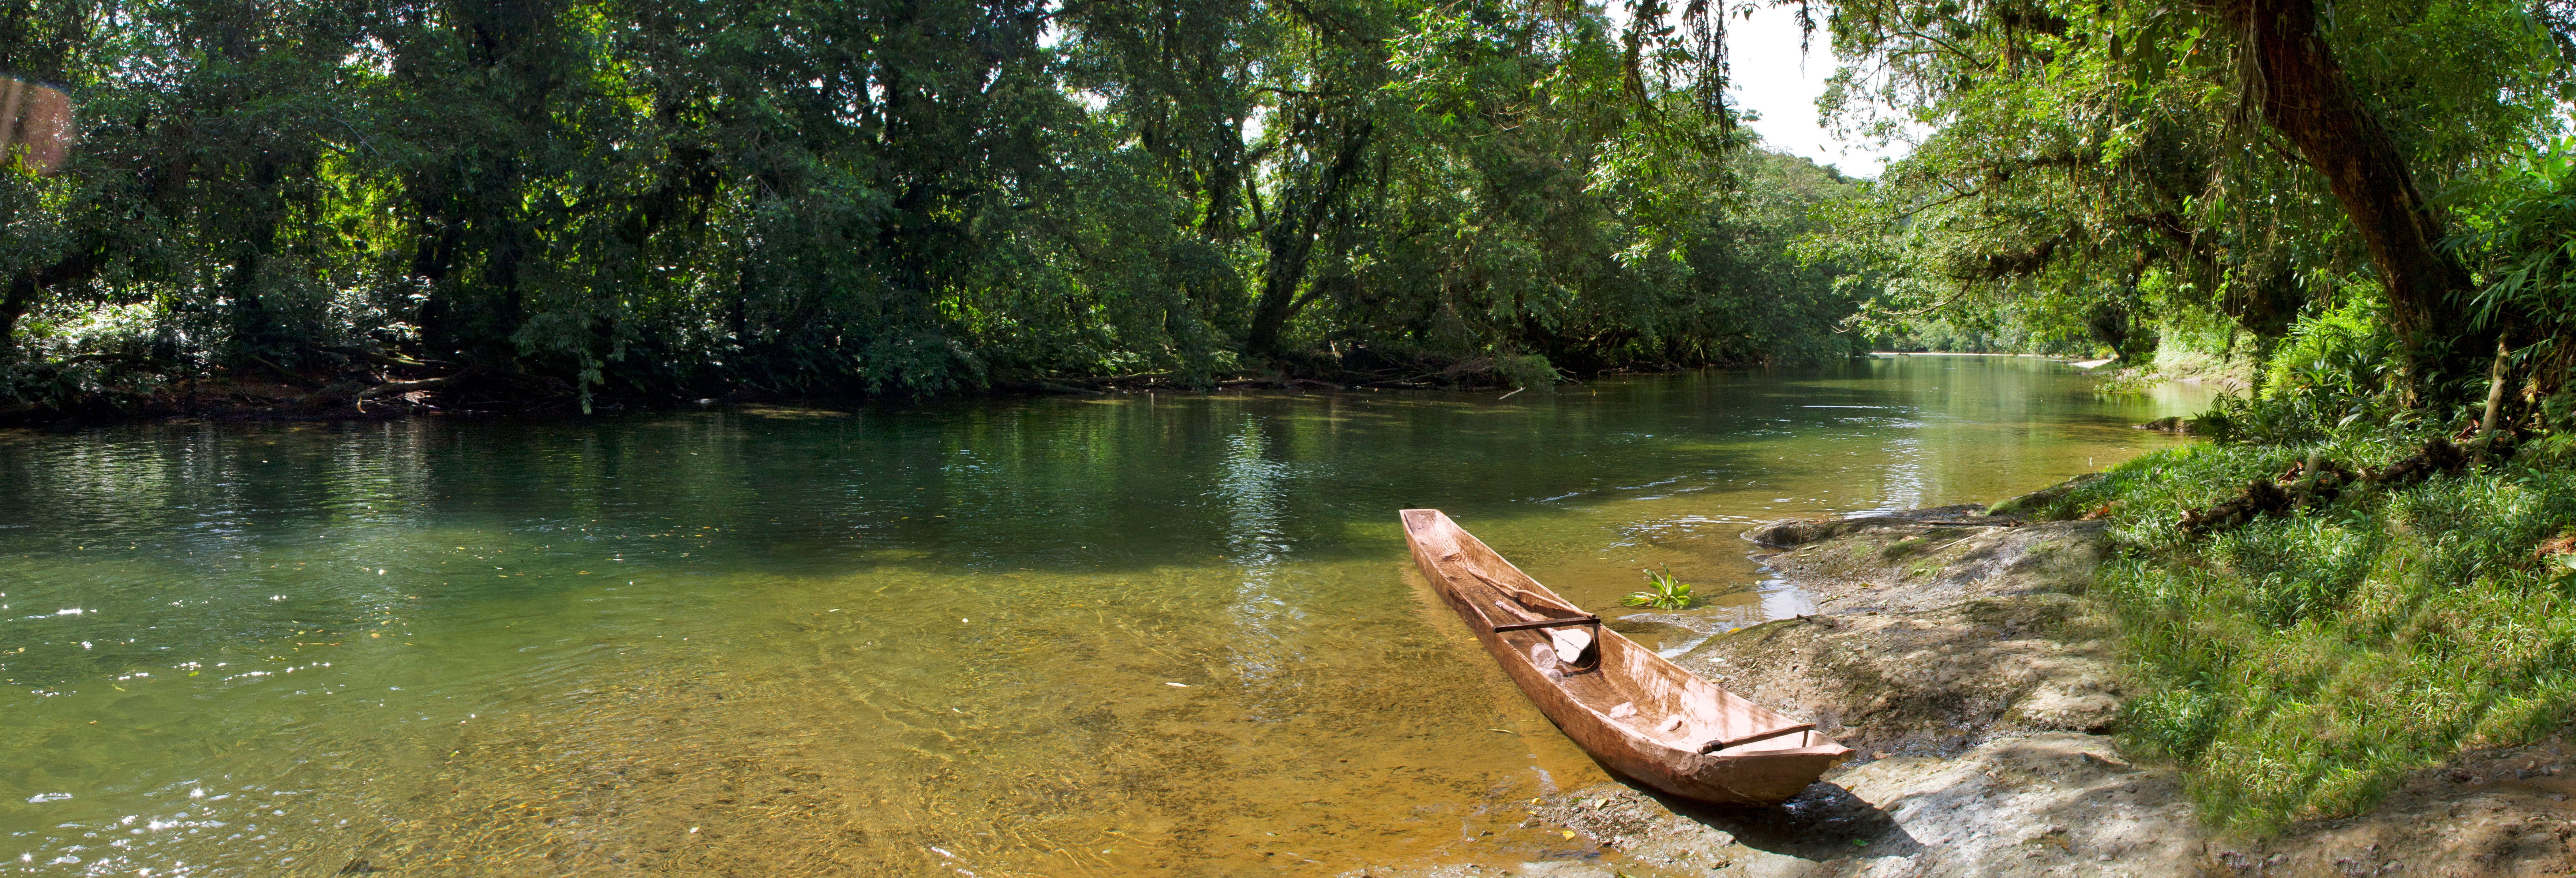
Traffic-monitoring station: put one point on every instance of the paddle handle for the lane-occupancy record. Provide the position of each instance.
(1723, 743)
(1547, 623)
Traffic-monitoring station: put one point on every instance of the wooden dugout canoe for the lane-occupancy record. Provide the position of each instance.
(1642, 716)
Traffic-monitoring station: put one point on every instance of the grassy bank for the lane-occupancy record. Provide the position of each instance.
(2299, 665)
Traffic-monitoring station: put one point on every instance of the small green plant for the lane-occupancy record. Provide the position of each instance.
(1662, 591)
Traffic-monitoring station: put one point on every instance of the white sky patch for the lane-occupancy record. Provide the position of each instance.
(1773, 79)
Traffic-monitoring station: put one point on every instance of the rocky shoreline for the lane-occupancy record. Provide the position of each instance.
(1957, 651)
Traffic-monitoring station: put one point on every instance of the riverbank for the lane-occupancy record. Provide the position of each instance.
(377, 387)
(362, 385)
(257, 399)
(1973, 663)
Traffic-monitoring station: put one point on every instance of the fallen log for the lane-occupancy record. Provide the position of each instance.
(2316, 483)
(380, 358)
(392, 388)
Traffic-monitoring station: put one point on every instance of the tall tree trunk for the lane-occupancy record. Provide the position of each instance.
(1291, 240)
(13, 305)
(2304, 94)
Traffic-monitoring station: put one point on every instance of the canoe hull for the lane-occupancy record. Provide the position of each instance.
(1748, 780)
(1757, 774)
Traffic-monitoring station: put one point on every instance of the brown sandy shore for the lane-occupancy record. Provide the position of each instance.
(1958, 653)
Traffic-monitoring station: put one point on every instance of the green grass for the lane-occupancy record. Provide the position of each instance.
(2299, 666)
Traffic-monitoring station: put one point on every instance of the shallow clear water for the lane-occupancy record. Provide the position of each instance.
(1131, 635)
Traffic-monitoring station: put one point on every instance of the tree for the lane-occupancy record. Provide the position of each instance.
(2302, 91)
(2223, 144)
(555, 202)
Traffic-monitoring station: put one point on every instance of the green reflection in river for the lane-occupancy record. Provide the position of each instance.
(1113, 636)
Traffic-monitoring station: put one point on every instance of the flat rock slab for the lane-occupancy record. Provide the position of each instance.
(1931, 682)
(1895, 563)
(1937, 629)
(2047, 804)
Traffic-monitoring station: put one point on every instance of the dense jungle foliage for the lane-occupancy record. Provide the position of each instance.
(652, 200)
(2360, 214)
(655, 200)
(2207, 181)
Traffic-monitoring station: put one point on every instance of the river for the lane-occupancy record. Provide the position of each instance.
(1145, 634)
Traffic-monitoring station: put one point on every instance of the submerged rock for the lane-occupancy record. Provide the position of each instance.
(1665, 631)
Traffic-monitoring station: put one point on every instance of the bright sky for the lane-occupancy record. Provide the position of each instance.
(1774, 80)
